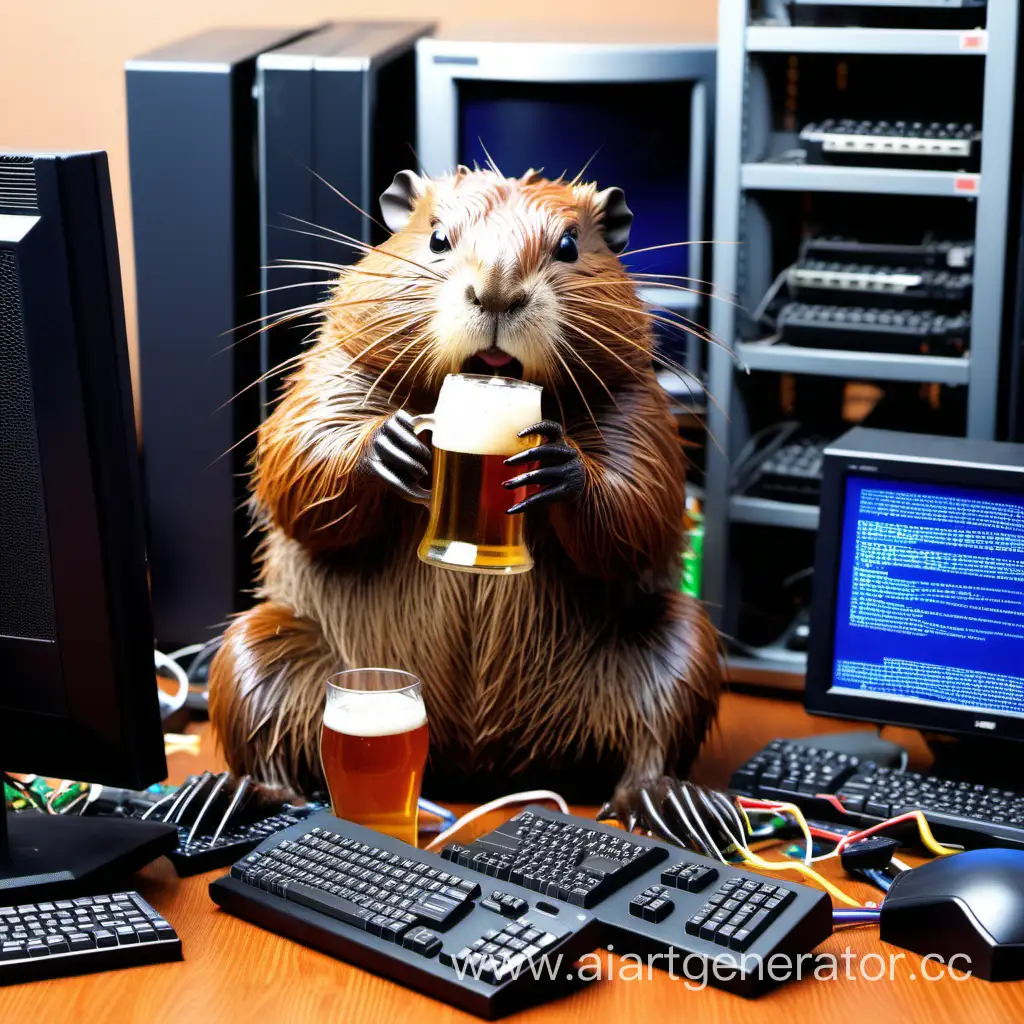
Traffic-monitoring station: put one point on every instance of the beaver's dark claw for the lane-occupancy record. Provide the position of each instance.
(678, 812)
(399, 457)
(559, 471)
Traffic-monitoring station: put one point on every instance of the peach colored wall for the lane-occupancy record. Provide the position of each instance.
(62, 78)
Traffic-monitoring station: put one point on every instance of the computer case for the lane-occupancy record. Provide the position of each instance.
(337, 114)
(195, 205)
(228, 133)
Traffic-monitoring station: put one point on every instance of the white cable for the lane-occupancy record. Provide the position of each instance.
(502, 801)
(758, 316)
(185, 652)
(169, 705)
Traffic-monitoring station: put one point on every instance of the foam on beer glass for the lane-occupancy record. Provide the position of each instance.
(373, 747)
(475, 428)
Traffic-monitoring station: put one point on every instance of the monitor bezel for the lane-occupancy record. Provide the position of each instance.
(441, 64)
(107, 728)
(820, 696)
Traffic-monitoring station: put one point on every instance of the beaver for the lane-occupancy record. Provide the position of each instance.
(591, 668)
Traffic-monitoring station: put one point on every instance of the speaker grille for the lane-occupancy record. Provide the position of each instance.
(26, 597)
(17, 183)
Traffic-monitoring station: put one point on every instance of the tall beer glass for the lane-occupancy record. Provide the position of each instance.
(474, 430)
(373, 747)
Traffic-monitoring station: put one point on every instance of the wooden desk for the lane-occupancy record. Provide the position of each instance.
(234, 971)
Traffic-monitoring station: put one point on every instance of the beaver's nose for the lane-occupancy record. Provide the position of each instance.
(496, 300)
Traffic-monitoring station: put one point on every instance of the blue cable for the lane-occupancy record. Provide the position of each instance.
(446, 816)
(878, 877)
(867, 915)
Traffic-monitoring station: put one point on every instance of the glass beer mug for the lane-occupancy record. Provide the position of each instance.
(373, 748)
(474, 430)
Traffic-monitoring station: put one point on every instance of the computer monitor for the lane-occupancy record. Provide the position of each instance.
(635, 105)
(78, 698)
(918, 602)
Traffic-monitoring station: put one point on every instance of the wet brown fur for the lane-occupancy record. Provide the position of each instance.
(593, 651)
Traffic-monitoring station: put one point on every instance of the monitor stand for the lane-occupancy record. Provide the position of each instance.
(983, 760)
(51, 856)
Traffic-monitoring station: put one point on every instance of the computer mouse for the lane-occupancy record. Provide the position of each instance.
(968, 903)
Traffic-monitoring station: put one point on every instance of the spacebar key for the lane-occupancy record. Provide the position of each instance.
(341, 910)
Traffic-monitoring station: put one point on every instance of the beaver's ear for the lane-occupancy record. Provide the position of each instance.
(616, 219)
(397, 201)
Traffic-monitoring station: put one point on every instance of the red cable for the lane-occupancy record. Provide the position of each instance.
(854, 837)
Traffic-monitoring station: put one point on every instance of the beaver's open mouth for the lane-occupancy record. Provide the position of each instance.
(493, 362)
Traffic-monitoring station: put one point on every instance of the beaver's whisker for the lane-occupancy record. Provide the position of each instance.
(339, 269)
(668, 364)
(423, 351)
(697, 330)
(676, 245)
(583, 397)
(380, 376)
(597, 376)
(322, 306)
(636, 371)
(584, 285)
(344, 197)
(261, 378)
(403, 325)
(294, 314)
(364, 247)
(681, 277)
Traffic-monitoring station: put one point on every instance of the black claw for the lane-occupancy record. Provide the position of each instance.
(607, 812)
(553, 454)
(550, 429)
(544, 475)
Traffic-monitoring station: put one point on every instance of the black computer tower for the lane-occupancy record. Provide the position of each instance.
(195, 205)
(337, 113)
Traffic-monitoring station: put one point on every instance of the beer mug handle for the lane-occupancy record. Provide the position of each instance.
(425, 421)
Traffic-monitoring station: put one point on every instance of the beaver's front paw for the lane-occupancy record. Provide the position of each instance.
(399, 457)
(560, 473)
(679, 812)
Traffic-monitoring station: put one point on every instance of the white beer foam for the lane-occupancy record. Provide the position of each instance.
(482, 416)
(375, 714)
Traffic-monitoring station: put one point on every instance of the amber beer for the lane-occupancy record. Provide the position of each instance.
(373, 747)
(475, 427)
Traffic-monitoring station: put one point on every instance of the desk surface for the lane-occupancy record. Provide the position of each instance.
(234, 971)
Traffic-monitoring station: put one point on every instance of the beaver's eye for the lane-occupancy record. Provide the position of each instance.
(439, 241)
(567, 250)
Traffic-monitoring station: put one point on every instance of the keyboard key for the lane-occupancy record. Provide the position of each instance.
(422, 941)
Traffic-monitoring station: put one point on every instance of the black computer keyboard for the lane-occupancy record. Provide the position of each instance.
(91, 933)
(477, 926)
(578, 864)
(969, 814)
(792, 472)
(921, 332)
(831, 280)
(900, 143)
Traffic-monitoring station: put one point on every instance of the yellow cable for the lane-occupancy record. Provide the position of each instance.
(746, 818)
(804, 827)
(928, 840)
(928, 837)
(794, 865)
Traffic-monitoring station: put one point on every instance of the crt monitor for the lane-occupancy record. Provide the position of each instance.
(918, 606)
(633, 106)
(78, 698)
